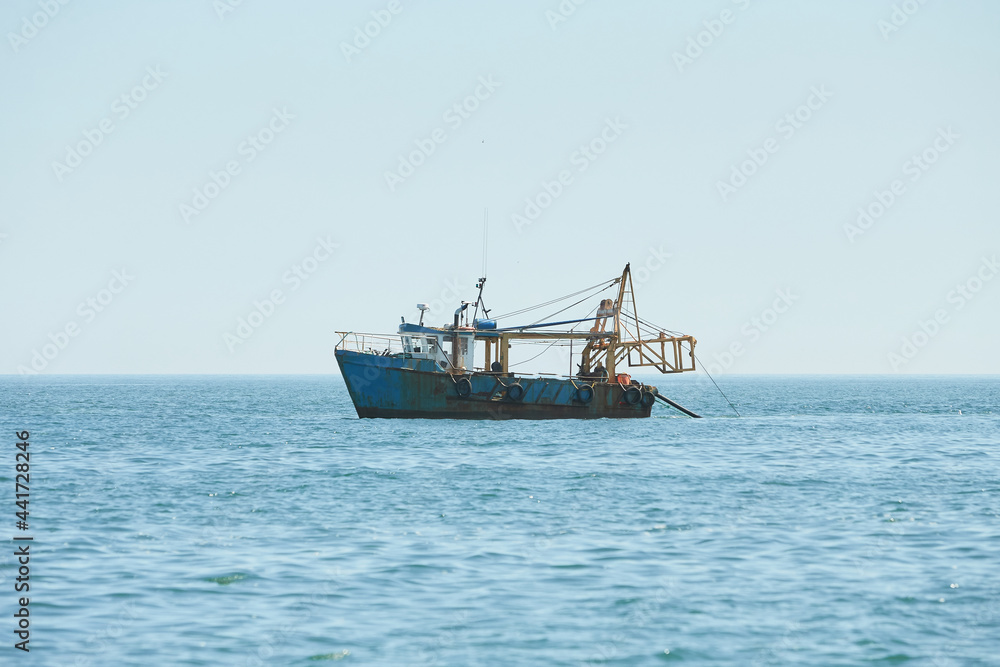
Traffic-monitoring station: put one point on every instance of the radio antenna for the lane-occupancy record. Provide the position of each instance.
(486, 236)
(482, 281)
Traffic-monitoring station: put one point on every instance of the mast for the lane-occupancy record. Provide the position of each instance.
(609, 362)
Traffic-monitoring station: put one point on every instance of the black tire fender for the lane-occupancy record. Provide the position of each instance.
(647, 399)
(632, 395)
(515, 392)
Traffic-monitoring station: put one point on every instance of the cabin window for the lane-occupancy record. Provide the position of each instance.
(420, 345)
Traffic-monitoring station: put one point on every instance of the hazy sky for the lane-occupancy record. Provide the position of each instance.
(168, 164)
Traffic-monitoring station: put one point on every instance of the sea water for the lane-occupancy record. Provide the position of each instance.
(255, 520)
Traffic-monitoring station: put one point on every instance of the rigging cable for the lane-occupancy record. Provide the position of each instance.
(586, 317)
(717, 387)
(537, 355)
(605, 283)
(703, 367)
(554, 342)
(659, 328)
(650, 328)
(589, 296)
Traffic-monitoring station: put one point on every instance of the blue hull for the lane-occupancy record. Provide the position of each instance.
(398, 387)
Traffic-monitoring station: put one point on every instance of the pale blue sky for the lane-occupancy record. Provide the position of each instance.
(342, 123)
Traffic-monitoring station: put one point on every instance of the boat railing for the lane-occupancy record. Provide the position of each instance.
(369, 343)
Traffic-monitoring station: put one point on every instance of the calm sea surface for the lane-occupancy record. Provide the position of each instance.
(256, 520)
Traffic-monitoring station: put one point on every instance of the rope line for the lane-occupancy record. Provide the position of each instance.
(605, 283)
(536, 356)
(589, 296)
(703, 367)
(717, 386)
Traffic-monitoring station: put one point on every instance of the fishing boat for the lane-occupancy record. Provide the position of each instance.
(462, 370)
